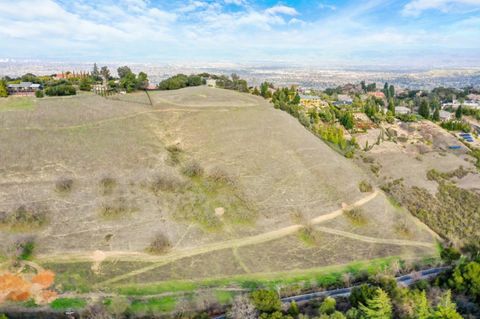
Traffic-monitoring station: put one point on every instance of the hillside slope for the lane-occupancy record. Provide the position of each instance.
(204, 171)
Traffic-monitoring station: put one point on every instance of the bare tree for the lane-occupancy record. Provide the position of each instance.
(242, 308)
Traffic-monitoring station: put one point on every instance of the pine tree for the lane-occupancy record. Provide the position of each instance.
(424, 110)
(436, 115)
(391, 91)
(379, 307)
(446, 309)
(458, 113)
(422, 309)
(391, 105)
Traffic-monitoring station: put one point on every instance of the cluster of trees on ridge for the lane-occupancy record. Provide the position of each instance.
(455, 294)
(69, 82)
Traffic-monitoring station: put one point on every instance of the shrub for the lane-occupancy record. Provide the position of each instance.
(24, 248)
(355, 215)
(60, 90)
(167, 182)
(328, 306)
(107, 185)
(309, 235)
(116, 208)
(220, 176)
(64, 185)
(192, 169)
(33, 216)
(160, 244)
(39, 94)
(266, 300)
(453, 125)
(174, 153)
(365, 187)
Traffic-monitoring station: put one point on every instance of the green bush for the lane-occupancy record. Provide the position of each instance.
(266, 300)
(192, 169)
(25, 249)
(365, 187)
(68, 303)
(64, 185)
(60, 90)
(453, 125)
(39, 94)
(160, 244)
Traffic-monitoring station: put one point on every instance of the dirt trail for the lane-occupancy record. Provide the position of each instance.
(175, 255)
(374, 240)
(236, 243)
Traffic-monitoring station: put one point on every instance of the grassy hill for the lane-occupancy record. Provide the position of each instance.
(207, 183)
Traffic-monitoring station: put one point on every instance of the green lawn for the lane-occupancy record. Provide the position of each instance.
(321, 277)
(16, 103)
(68, 303)
(154, 305)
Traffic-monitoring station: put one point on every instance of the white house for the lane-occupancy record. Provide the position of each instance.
(402, 110)
(211, 83)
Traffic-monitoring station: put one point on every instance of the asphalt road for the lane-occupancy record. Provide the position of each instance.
(405, 281)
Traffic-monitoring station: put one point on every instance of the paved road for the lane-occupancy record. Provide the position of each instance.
(405, 281)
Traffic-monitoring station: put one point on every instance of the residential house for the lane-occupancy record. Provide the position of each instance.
(402, 110)
(23, 88)
(343, 100)
(310, 101)
(378, 95)
(211, 83)
(444, 115)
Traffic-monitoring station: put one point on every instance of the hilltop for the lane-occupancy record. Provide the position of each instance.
(204, 184)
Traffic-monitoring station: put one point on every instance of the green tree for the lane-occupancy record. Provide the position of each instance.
(328, 306)
(95, 72)
(129, 82)
(385, 90)
(347, 120)
(458, 112)
(466, 278)
(39, 94)
(293, 309)
(256, 91)
(379, 307)
(391, 91)
(361, 294)
(296, 99)
(123, 71)
(274, 315)
(421, 308)
(264, 89)
(446, 309)
(3, 89)
(391, 106)
(436, 115)
(85, 84)
(266, 300)
(142, 80)
(105, 73)
(424, 110)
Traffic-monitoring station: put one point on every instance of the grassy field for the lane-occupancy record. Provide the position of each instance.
(16, 103)
(206, 183)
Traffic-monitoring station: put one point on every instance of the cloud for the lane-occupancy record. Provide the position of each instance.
(323, 6)
(417, 7)
(228, 29)
(281, 9)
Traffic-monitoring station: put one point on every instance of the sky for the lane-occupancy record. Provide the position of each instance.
(323, 32)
